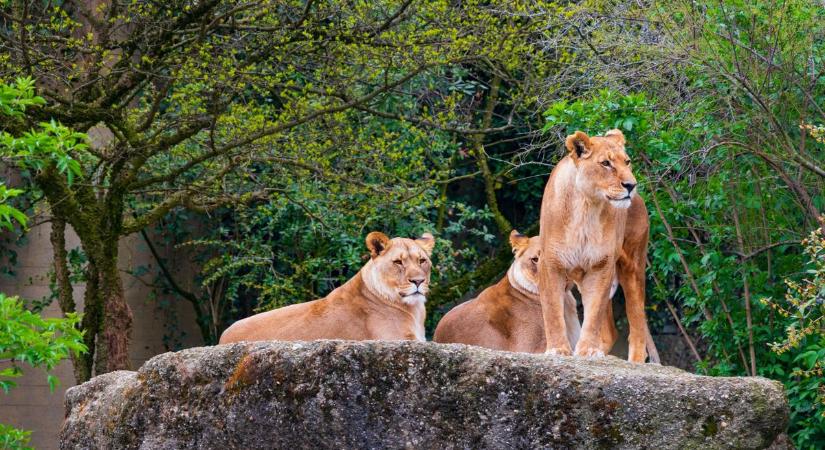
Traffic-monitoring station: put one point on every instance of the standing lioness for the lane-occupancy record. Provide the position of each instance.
(384, 300)
(594, 233)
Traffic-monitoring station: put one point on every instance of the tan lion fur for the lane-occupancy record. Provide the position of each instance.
(383, 301)
(594, 233)
(507, 315)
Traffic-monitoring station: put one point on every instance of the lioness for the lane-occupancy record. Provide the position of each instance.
(507, 315)
(384, 300)
(594, 233)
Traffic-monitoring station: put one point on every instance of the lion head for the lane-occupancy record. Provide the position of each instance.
(524, 272)
(399, 268)
(603, 167)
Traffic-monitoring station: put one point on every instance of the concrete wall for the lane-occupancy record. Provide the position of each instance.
(31, 406)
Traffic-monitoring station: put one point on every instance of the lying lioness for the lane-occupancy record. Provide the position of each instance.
(594, 233)
(384, 300)
(507, 315)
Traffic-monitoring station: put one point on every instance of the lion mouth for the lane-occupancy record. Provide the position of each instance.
(621, 203)
(618, 199)
(417, 292)
(413, 288)
(413, 297)
(624, 201)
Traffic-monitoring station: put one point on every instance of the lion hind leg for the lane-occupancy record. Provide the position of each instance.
(639, 340)
(608, 333)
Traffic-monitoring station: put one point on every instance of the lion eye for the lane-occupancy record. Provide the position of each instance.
(535, 259)
(397, 262)
(606, 163)
(627, 162)
(422, 261)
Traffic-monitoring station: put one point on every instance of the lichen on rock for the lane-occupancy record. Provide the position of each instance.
(341, 394)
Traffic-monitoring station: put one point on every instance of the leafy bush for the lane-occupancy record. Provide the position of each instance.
(803, 346)
(308, 238)
(13, 439)
(28, 339)
(25, 337)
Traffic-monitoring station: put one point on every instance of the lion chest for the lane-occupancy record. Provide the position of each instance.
(405, 322)
(584, 244)
(582, 257)
(583, 233)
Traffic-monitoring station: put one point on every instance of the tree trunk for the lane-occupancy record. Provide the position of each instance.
(109, 316)
(81, 363)
(117, 316)
(480, 155)
(93, 319)
(98, 222)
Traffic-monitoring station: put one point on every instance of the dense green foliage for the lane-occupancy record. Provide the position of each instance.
(207, 105)
(803, 349)
(13, 439)
(25, 337)
(309, 237)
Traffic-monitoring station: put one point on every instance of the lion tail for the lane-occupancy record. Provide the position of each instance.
(652, 353)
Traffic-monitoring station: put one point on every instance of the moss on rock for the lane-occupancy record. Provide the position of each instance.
(337, 394)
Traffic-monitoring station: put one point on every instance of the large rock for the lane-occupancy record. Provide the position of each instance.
(338, 394)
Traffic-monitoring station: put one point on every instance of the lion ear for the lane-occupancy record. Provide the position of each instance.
(518, 241)
(377, 243)
(578, 144)
(617, 135)
(427, 242)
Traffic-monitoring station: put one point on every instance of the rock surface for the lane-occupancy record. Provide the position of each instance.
(339, 394)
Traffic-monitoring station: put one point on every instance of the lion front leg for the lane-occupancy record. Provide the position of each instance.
(552, 295)
(595, 290)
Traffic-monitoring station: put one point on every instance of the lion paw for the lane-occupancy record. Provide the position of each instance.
(589, 352)
(558, 351)
(637, 358)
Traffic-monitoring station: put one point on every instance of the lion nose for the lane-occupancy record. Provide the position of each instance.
(629, 186)
(416, 281)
